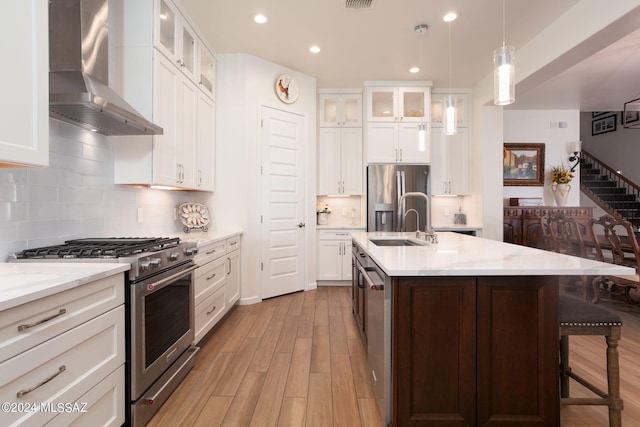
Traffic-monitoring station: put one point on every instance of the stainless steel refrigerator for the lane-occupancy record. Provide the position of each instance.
(385, 184)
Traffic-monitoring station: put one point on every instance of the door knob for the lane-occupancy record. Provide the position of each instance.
(302, 224)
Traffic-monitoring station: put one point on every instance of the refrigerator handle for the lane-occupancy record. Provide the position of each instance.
(398, 193)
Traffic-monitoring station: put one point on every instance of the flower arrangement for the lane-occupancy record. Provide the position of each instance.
(323, 208)
(561, 175)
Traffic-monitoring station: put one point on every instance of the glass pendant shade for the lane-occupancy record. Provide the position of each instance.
(450, 116)
(504, 92)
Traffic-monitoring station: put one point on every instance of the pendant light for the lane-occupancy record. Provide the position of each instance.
(423, 131)
(504, 70)
(449, 110)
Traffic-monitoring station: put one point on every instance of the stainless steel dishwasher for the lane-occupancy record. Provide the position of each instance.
(378, 332)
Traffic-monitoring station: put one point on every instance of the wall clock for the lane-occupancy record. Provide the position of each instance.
(287, 88)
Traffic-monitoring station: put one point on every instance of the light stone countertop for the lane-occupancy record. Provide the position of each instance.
(202, 238)
(461, 255)
(25, 282)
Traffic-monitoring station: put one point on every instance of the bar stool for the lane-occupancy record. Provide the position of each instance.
(578, 317)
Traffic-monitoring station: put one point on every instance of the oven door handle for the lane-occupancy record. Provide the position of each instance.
(151, 286)
(372, 285)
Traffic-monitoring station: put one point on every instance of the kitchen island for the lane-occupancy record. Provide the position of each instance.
(467, 333)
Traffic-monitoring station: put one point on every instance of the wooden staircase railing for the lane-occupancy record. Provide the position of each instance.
(610, 190)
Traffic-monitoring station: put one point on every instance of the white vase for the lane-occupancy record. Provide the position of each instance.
(561, 193)
(323, 218)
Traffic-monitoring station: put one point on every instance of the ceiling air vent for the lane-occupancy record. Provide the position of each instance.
(359, 4)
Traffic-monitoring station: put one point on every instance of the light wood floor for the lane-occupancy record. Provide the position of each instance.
(297, 360)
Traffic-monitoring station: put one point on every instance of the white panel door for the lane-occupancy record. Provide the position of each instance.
(283, 141)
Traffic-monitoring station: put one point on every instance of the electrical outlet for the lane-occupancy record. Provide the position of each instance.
(446, 212)
(175, 214)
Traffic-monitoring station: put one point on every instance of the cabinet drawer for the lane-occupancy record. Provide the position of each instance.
(103, 405)
(74, 361)
(209, 278)
(209, 312)
(233, 243)
(210, 252)
(335, 235)
(79, 304)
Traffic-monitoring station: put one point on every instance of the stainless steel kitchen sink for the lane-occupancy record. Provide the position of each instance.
(397, 242)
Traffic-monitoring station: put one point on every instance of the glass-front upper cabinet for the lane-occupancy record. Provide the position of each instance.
(398, 104)
(207, 72)
(166, 31)
(175, 39)
(414, 103)
(188, 53)
(344, 110)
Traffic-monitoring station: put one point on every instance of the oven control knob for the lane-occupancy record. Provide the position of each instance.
(174, 256)
(191, 251)
(144, 265)
(155, 262)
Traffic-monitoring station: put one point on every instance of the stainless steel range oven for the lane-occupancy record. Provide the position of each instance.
(159, 310)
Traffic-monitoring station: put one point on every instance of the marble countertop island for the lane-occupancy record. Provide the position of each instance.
(460, 255)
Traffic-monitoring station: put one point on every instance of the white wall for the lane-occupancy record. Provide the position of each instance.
(245, 83)
(620, 148)
(541, 126)
(74, 197)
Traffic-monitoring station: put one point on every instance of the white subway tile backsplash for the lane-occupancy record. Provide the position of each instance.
(74, 197)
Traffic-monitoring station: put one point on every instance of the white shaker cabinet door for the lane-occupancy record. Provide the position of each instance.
(24, 117)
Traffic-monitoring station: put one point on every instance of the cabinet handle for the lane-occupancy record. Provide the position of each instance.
(212, 310)
(41, 321)
(400, 154)
(229, 261)
(211, 252)
(235, 242)
(212, 276)
(24, 392)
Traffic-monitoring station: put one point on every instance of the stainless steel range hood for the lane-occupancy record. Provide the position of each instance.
(79, 91)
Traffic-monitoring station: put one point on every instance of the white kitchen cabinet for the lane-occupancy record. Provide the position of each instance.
(206, 143)
(207, 71)
(340, 109)
(181, 65)
(233, 270)
(394, 114)
(394, 143)
(217, 282)
(24, 117)
(334, 255)
(450, 165)
(73, 339)
(398, 104)
(340, 161)
(175, 38)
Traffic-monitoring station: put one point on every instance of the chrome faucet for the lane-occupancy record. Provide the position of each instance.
(428, 233)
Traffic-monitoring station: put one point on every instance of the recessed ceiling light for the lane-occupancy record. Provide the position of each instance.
(314, 49)
(163, 16)
(414, 70)
(450, 16)
(260, 18)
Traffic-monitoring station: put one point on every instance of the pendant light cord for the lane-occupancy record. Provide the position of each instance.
(504, 32)
(449, 56)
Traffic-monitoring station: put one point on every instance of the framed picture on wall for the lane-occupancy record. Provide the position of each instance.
(603, 125)
(523, 164)
(628, 118)
(598, 113)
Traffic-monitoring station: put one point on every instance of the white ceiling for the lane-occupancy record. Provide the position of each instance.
(380, 44)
